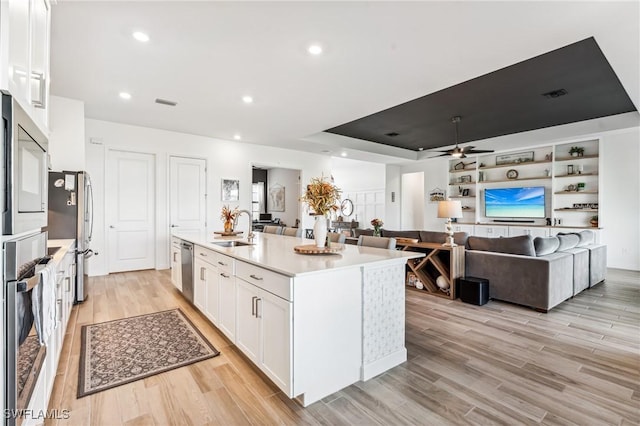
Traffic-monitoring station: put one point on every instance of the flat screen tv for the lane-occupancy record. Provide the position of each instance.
(515, 203)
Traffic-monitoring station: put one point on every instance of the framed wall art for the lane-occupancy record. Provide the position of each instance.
(276, 198)
(436, 194)
(230, 190)
(518, 157)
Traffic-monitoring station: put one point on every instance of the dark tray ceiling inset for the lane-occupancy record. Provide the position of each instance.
(507, 101)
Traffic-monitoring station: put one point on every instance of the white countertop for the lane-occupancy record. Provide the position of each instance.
(65, 246)
(275, 252)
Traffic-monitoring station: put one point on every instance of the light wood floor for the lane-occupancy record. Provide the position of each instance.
(492, 364)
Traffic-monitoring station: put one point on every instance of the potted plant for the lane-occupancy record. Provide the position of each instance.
(576, 151)
(322, 197)
(594, 221)
(229, 217)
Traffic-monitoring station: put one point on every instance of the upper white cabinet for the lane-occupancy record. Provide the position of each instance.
(24, 54)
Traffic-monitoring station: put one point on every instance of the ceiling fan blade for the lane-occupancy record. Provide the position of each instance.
(479, 151)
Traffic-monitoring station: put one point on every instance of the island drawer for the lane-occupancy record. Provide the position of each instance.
(274, 283)
(205, 254)
(224, 263)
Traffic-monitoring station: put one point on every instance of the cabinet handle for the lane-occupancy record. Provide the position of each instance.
(202, 273)
(257, 306)
(59, 313)
(68, 280)
(255, 277)
(203, 254)
(222, 263)
(224, 275)
(253, 306)
(174, 256)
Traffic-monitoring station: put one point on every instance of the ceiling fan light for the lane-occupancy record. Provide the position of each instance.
(456, 154)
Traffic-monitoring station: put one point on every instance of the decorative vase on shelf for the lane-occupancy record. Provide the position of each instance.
(376, 231)
(320, 231)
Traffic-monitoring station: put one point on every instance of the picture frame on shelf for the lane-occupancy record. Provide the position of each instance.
(465, 179)
(465, 192)
(515, 158)
(458, 166)
(437, 194)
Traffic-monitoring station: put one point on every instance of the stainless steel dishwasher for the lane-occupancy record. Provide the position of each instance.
(186, 250)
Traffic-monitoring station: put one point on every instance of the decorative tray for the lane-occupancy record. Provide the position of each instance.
(313, 249)
(227, 234)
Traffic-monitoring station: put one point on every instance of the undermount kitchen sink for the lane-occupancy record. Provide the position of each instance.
(230, 243)
(52, 250)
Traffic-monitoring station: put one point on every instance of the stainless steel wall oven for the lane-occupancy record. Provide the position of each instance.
(24, 168)
(24, 356)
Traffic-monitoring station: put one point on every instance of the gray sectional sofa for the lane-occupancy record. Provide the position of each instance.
(540, 273)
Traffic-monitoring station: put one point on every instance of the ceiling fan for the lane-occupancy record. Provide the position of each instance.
(460, 152)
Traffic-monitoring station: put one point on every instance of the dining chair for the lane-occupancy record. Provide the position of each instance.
(292, 232)
(336, 237)
(270, 229)
(378, 242)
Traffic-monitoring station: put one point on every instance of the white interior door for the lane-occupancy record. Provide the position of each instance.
(187, 193)
(412, 202)
(130, 192)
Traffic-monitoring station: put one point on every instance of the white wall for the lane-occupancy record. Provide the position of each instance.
(619, 205)
(66, 137)
(355, 175)
(225, 159)
(412, 205)
(290, 180)
(620, 198)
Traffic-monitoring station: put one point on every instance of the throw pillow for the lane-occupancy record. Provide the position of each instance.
(522, 245)
(546, 245)
(586, 237)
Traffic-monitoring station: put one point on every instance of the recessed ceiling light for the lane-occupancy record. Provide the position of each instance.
(237, 137)
(247, 99)
(125, 95)
(344, 154)
(140, 36)
(314, 49)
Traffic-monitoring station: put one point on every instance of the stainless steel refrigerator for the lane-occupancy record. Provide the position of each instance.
(71, 217)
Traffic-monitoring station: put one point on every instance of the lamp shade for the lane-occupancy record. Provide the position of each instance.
(449, 209)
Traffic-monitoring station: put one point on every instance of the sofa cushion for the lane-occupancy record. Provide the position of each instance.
(522, 244)
(459, 238)
(586, 237)
(568, 241)
(401, 234)
(545, 245)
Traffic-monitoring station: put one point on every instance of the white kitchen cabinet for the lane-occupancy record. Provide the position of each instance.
(275, 315)
(200, 284)
(24, 54)
(248, 324)
(227, 309)
(212, 283)
(469, 229)
(176, 263)
(263, 332)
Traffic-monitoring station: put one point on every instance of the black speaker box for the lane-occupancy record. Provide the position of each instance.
(473, 290)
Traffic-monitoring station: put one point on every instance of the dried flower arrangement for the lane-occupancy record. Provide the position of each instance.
(229, 217)
(322, 196)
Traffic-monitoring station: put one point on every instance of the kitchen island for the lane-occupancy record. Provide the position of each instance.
(314, 324)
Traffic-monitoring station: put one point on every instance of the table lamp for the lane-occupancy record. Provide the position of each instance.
(449, 209)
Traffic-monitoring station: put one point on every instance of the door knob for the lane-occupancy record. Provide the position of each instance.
(174, 226)
(112, 227)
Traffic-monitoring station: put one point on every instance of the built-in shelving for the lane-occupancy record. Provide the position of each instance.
(584, 157)
(515, 180)
(551, 168)
(512, 165)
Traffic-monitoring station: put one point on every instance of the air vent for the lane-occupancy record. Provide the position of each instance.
(392, 134)
(555, 93)
(165, 102)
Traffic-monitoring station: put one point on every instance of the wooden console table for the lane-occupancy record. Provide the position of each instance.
(428, 268)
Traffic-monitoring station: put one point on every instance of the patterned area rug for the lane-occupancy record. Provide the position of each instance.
(117, 352)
